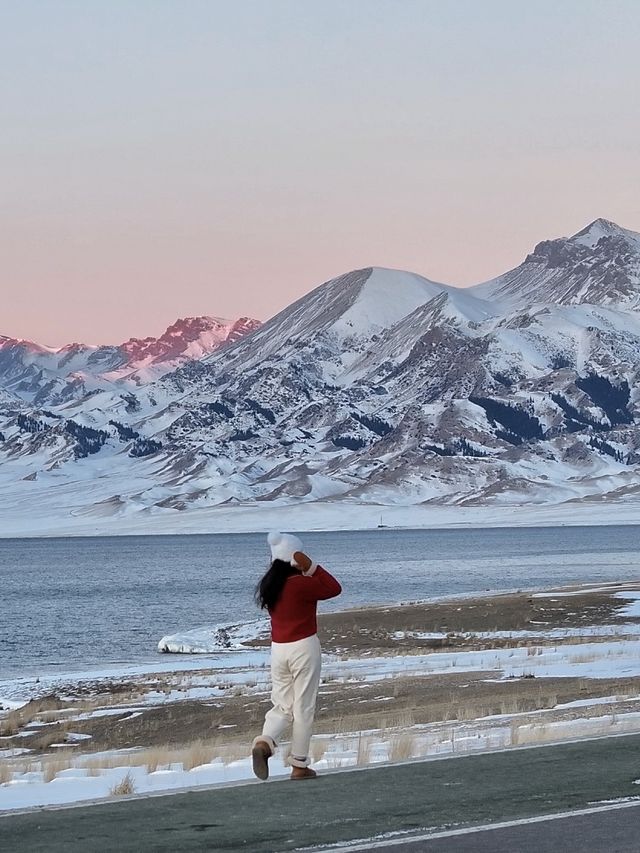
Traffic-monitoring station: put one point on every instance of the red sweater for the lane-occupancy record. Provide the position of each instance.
(294, 616)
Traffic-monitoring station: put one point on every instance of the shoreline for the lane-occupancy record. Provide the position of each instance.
(253, 650)
(220, 658)
(327, 517)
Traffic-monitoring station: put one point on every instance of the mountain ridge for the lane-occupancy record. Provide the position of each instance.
(44, 375)
(379, 387)
(600, 264)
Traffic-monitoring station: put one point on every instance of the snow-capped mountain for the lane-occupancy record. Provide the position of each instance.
(48, 376)
(186, 340)
(598, 265)
(379, 387)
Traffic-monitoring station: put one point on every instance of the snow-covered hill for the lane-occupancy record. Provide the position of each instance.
(378, 388)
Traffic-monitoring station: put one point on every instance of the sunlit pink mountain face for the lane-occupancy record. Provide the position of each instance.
(32, 371)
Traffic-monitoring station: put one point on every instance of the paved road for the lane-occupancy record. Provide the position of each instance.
(420, 797)
(616, 829)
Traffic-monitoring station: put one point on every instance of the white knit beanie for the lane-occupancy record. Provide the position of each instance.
(283, 546)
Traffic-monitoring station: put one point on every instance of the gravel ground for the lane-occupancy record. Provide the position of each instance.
(354, 706)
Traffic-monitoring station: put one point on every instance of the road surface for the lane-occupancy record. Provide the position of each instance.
(369, 805)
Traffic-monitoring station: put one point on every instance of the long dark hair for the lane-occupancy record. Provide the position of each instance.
(270, 586)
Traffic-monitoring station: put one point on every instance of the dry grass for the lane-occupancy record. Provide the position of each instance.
(190, 756)
(47, 737)
(93, 767)
(364, 750)
(58, 714)
(124, 787)
(318, 749)
(354, 724)
(51, 709)
(153, 756)
(197, 754)
(10, 725)
(402, 746)
(404, 720)
(157, 757)
(234, 752)
(397, 723)
(25, 766)
(52, 767)
(6, 772)
(33, 710)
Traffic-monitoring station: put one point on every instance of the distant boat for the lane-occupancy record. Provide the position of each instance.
(381, 524)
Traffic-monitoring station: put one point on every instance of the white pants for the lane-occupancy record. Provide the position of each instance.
(295, 676)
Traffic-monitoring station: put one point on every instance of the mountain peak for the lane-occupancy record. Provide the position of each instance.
(601, 224)
(351, 307)
(599, 265)
(599, 228)
(187, 339)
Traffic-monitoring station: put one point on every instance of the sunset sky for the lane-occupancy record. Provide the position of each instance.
(167, 158)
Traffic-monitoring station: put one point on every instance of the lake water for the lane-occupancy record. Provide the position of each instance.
(75, 603)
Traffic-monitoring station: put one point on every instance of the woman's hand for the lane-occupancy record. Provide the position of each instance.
(301, 561)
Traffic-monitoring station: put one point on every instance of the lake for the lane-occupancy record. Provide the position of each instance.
(80, 602)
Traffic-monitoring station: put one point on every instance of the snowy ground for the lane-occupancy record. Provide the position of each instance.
(22, 516)
(66, 775)
(83, 779)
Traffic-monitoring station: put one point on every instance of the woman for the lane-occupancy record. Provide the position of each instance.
(290, 591)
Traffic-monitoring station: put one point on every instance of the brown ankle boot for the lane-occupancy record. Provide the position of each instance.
(303, 773)
(260, 755)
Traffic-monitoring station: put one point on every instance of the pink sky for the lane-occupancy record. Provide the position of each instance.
(166, 160)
